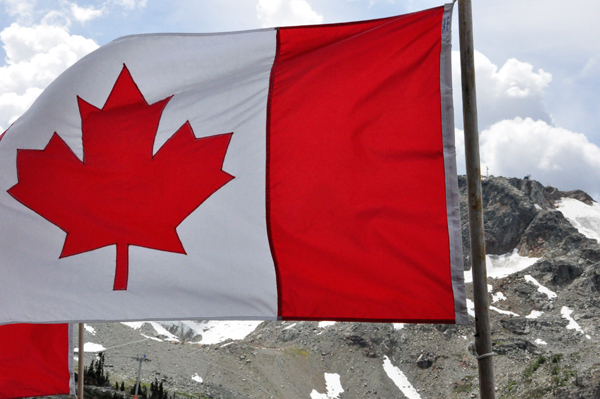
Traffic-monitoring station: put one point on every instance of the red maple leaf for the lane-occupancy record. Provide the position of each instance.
(121, 194)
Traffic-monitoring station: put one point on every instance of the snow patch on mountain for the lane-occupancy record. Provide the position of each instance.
(498, 296)
(89, 329)
(324, 324)
(585, 218)
(500, 266)
(160, 330)
(91, 347)
(506, 312)
(541, 288)
(534, 314)
(212, 331)
(573, 325)
(400, 379)
(333, 385)
(152, 338)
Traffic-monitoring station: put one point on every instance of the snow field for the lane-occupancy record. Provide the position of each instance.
(333, 386)
(498, 296)
(506, 312)
(534, 314)
(91, 347)
(324, 324)
(573, 325)
(216, 331)
(585, 218)
(399, 379)
(212, 331)
(499, 266)
(541, 288)
(152, 338)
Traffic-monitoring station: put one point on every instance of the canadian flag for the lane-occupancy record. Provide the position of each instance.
(294, 173)
(36, 360)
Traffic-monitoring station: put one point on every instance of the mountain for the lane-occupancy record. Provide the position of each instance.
(544, 282)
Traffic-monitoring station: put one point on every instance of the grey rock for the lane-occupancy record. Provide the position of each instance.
(514, 345)
(562, 270)
(507, 212)
(425, 361)
(516, 326)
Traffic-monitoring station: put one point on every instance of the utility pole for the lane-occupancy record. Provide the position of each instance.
(137, 384)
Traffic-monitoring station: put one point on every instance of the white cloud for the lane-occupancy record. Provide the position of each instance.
(516, 79)
(552, 155)
(514, 90)
(518, 137)
(23, 9)
(27, 13)
(35, 56)
(131, 4)
(84, 14)
(286, 12)
(57, 18)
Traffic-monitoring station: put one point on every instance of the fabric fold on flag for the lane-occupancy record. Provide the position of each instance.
(292, 173)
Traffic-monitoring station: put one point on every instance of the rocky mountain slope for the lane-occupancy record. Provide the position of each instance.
(544, 283)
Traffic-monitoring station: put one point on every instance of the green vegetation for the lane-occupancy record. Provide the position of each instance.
(537, 393)
(154, 390)
(512, 384)
(95, 374)
(465, 384)
(299, 352)
(551, 374)
(533, 367)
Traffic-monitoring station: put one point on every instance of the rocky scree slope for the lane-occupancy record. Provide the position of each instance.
(545, 327)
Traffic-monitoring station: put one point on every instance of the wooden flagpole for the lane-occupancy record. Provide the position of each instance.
(483, 338)
(80, 375)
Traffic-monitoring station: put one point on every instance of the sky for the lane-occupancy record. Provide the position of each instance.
(537, 65)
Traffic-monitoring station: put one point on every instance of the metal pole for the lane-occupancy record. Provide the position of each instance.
(137, 384)
(80, 363)
(483, 338)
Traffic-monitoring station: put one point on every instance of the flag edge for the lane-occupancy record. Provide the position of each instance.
(451, 174)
